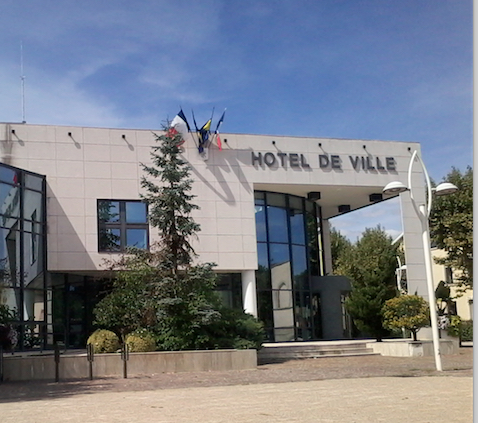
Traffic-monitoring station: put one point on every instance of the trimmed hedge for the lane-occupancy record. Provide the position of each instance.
(104, 341)
(140, 341)
(466, 330)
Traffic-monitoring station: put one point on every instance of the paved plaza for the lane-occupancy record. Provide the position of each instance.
(347, 389)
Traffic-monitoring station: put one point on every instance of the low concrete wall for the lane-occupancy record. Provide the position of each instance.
(76, 366)
(409, 348)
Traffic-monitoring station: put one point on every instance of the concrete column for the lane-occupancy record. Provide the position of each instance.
(326, 247)
(249, 293)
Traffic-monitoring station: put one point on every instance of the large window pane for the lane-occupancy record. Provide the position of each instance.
(284, 334)
(11, 298)
(264, 308)
(33, 182)
(8, 175)
(312, 244)
(32, 255)
(299, 267)
(279, 254)
(108, 211)
(303, 316)
(136, 238)
(297, 227)
(261, 233)
(277, 224)
(34, 304)
(136, 212)
(109, 240)
(262, 274)
(10, 256)
(32, 205)
(9, 201)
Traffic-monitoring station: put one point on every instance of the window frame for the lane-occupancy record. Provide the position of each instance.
(122, 225)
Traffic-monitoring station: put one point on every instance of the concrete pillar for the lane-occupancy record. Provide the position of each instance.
(249, 293)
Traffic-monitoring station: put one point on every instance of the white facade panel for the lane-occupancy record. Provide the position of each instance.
(83, 165)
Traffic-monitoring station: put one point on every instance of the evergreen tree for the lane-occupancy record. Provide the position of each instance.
(170, 203)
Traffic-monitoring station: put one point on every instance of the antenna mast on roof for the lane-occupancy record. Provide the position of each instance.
(22, 78)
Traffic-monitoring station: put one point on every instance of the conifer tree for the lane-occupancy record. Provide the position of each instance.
(170, 203)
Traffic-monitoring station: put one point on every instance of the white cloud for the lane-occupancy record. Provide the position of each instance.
(58, 102)
(387, 214)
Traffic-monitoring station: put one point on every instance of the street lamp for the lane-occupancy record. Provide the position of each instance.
(423, 213)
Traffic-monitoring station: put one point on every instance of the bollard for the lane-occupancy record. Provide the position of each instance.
(90, 355)
(57, 362)
(125, 358)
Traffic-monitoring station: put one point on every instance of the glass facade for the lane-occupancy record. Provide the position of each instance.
(23, 293)
(289, 246)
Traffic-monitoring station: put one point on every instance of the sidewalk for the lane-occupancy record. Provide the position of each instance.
(343, 389)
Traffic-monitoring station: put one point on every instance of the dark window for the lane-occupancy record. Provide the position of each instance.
(122, 224)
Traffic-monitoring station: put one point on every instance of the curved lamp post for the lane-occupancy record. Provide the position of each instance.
(423, 213)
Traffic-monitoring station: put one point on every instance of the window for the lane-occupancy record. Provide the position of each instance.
(122, 224)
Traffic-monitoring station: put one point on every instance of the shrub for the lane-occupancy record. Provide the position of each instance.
(407, 311)
(104, 341)
(467, 330)
(140, 341)
(453, 327)
(460, 328)
(237, 329)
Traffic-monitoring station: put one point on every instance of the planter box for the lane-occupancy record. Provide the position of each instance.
(76, 366)
(409, 348)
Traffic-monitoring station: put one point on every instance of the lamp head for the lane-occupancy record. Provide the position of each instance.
(445, 188)
(394, 187)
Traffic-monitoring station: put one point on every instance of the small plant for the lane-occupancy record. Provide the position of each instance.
(462, 329)
(407, 311)
(104, 341)
(140, 341)
(466, 334)
(453, 327)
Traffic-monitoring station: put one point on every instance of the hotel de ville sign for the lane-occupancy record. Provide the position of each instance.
(324, 161)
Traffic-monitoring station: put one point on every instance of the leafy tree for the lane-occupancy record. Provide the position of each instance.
(340, 248)
(409, 312)
(370, 264)
(451, 226)
(129, 306)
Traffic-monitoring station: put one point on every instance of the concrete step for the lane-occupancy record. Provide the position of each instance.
(271, 353)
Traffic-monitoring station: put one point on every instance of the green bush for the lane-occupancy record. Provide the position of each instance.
(104, 341)
(454, 326)
(140, 341)
(406, 311)
(467, 330)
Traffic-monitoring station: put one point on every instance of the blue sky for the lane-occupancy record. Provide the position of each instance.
(377, 69)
